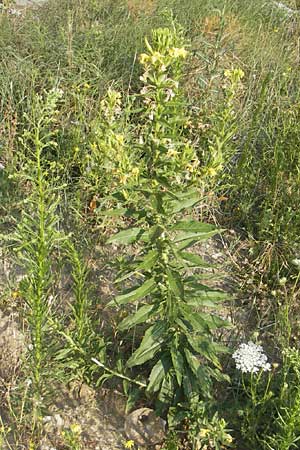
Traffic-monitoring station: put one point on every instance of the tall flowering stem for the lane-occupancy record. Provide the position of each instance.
(179, 336)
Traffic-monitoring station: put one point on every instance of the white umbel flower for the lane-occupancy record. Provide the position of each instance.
(250, 358)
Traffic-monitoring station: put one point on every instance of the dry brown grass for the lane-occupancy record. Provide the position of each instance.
(137, 7)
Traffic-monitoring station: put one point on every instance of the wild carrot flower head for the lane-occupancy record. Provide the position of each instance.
(250, 358)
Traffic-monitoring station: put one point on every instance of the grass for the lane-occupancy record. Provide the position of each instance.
(75, 136)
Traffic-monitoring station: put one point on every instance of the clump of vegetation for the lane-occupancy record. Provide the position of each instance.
(132, 136)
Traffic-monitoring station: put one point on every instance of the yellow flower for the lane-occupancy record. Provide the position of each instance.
(75, 428)
(135, 171)
(178, 52)
(212, 172)
(123, 179)
(144, 58)
(171, 152)
(156, 57)
(129, 444)
(236, 74)
(203, 432)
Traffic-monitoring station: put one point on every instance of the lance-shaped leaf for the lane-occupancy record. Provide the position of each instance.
(194, 261)
(178, 363)
(135, 293)
(150, 345)
(142, 314)
(194, 226)
(214, 322)
(126, 236)
(147, 262)
(191, 386)
(198, 294)
(175, 283)
(205, 348)
(158, 373)
(167, 390)
(194, 320)
(192, 361)
(194, 236)
(186, 200)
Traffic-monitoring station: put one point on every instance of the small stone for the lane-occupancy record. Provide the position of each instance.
(59, 422)
(86, 393)
(144, 427)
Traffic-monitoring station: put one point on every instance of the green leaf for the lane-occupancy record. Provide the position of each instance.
(195, 236)
(178, 363)
(205, 348)
(193, 320)
(175, 283)
(198, 294)
(186, 200)
(143, 314)
(167, 390)
(192, 361)
(155, 232)
(194, 226)
(194, 261)
(158, 373)
(126, 236)
(191, 387)
(148, 260)
(150, 345)
(214, 322)
(135, 293)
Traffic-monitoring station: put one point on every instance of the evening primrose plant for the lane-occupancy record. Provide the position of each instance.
(35, 240)
(223, 128)
(174, 309)
(110, 160)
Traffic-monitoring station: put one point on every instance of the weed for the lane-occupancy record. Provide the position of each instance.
(177, 332)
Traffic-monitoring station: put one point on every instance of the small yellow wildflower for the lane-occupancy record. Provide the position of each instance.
(228, 438)
(123, 179)
(94, 146)
(31, 446)
(135, 171)
(120, 139)
(171, 152)
(75, 428)
(86, 85)
(212, 172)
(15, 294)
(156, 57)
(234, 73)
(203, 432)
(144, 58)
(178, 52)
(129, 444)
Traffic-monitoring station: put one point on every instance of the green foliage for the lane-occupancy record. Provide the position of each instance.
(35, 240)
(178, 341)
(287, 423)
(205, 432)
(103, 153)
(81, 339)
(72, 437)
